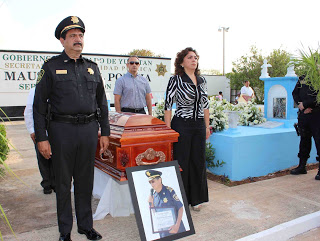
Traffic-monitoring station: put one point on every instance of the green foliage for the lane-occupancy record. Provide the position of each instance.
(279, 59)
(143, 52)
(225, 179)
(4, 148)
(210, 156)
(248, 67)
(308, 64)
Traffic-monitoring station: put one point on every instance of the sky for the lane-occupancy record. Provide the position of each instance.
(166, 27)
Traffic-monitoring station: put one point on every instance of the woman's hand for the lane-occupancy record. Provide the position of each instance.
(208, 132)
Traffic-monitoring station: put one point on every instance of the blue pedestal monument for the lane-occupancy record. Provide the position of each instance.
(255, 151)
(278, 101)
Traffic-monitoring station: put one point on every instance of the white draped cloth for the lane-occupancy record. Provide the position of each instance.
(115, 198)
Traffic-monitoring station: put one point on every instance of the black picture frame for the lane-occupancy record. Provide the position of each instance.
(139, 187)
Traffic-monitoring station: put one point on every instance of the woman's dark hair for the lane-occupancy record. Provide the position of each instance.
(179, 70)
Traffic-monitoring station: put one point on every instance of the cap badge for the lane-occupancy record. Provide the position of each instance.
(90, 71)
(74, 19)
(148, 173)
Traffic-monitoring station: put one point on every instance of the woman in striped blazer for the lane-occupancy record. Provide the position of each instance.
(191, 120)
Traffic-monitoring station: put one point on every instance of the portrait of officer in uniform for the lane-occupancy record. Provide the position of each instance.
(70, 105)
(308, 124)
(162, 196)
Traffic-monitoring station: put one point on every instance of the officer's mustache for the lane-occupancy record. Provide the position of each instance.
(77, 43)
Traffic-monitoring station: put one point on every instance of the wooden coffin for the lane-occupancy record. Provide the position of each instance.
(135, 139)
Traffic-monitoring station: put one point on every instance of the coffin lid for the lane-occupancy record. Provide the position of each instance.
(126, 119)
(138, 128)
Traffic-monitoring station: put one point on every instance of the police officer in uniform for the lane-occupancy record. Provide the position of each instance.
(308, 123)
(73, 87)
(164, 196)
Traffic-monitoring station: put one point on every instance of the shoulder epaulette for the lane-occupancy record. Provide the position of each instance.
(169, 188)
(89, 60)
(53, 57)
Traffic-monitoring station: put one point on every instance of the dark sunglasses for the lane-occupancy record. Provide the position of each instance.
(132, 63)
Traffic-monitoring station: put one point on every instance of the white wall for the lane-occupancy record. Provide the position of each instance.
(218, 83)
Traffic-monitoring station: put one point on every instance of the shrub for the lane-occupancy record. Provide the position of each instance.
(210, 157)
(4, 148)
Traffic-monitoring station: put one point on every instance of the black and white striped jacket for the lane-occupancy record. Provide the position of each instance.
(190, 99)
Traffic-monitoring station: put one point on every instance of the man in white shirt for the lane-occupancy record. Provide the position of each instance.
(246, 90)
(45, 166)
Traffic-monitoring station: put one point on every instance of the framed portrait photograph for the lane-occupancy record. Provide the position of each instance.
(159, 201)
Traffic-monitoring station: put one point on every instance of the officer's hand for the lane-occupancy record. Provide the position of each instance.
(104, 143)
(150, 200)
(33, 137)
(300, 106)
(308, 110)
(45, 149)
(174, 229)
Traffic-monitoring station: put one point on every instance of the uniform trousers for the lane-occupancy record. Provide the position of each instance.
(190, 153)
(73, 150)
(46, 171)
(309, 126)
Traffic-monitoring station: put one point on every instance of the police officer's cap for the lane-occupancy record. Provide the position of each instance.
(152, 174)
(68, 23)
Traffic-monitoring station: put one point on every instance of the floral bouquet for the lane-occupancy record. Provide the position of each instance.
(158, 110)
(251, 115)
(217, 118)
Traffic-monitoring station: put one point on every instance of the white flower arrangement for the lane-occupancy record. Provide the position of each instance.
(251, 115)
(217, 118)
(158, 110)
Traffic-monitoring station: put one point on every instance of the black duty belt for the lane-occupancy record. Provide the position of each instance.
(139, 110)
(74, 119)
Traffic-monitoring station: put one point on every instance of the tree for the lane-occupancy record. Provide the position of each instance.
(248, 67)
(279, 59)
(143, 52)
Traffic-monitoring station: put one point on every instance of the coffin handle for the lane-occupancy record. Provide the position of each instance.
(109, 156)
(149, 155)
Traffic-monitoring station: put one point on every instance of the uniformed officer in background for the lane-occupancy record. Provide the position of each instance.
(73, 86)
(308, 123)
(164, 196)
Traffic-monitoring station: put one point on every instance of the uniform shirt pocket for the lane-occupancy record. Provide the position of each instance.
(65, 85)
(92, 84)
